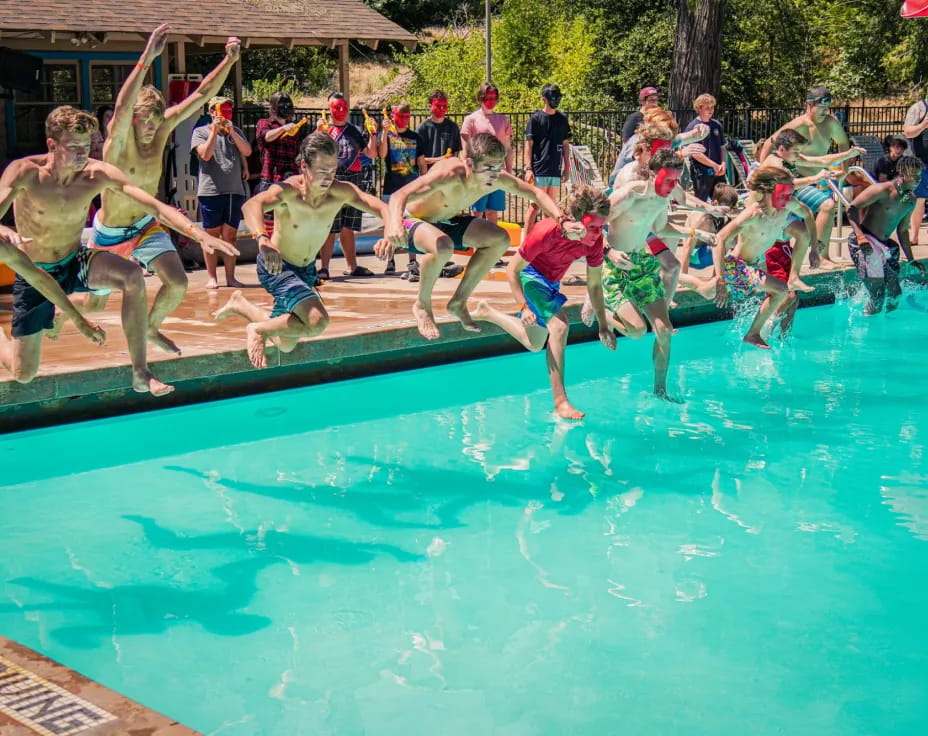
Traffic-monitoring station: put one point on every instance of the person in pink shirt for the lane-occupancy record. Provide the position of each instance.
(484, 120)
(534, 277)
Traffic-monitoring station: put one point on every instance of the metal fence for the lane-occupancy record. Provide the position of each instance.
(601, 130)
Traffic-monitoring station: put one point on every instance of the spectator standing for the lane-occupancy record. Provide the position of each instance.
(278, 146)
(648, 97)
(221, 149)
(484, 120)
(352, 142)
(914, 128)
(404, 160)
(440, 136)
(708, 168)
(547, 147)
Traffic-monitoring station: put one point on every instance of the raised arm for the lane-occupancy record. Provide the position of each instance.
(121, 122)
(209, 87)
(114, 180)
(830, 159)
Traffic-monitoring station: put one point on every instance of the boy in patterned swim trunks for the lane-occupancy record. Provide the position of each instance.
(534, 277)
(634, 291)
(877, 212)
(304, 207)
(759, 226)
(431, 224)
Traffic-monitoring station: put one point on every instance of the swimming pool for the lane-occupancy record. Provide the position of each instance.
(430, 552)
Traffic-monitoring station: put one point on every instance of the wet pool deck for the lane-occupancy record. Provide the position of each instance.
(371, 331)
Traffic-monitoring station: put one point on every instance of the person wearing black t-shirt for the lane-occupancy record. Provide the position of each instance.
(547, 147)
(885, 168)
(352, 142)
(440, 137)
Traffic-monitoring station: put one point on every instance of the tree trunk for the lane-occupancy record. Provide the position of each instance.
(697, 52)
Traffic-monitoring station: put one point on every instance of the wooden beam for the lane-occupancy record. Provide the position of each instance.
(290, 43)
(370, 42)
(343, 79)
(52, 36)
(180, 56)
(237, 83)
(202, 42)
(247, 43)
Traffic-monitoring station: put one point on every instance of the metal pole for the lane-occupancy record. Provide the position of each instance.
(486, 20)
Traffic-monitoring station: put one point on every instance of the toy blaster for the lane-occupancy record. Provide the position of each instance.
(296, 129)
(369, 123)
(447, 154)
(391, 127)
(325, 122)
(226, 125)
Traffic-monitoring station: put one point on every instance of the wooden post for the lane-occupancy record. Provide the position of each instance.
(237, 83)
(180, 56)
(343, 81)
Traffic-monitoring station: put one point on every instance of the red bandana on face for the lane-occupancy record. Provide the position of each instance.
(401, 119)
(781, 195)
(658, 145)
(594, 225)
(665, 181)
(339, 110)
(489, 102)
(226, 111)
(439, 108)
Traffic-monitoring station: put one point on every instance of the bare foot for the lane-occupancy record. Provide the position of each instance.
(144, 382)
(587, 314)
(232, 307)
(212, 284)
(565, 410)
(798, 284)
(482, 310)
(826, 264)
(160, 340)
(661, 393)
(255, 346)
(57, 324)
(459, 310)
(757, 341)
(234, 282)
(425, 321)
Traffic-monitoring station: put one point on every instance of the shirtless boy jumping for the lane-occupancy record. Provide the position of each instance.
(755, 230)
(138, 133)
(304, 208)
(51, 194)
(425, 216)
(877, 212)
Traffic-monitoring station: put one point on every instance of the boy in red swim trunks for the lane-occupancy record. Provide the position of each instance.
(534, 276)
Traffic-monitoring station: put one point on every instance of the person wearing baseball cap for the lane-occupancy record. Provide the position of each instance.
(648, 97)
(821, 129)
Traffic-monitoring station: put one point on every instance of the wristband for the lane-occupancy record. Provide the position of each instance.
(144, 68)
(188, 231)
(258, 234)
(564, 218)
(523, 307)
(692, 232)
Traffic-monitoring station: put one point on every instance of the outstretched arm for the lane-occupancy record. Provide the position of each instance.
(121, 123)
(114, 180)
(365, 202)
(253, 214)
(209, 87)
(520, 188)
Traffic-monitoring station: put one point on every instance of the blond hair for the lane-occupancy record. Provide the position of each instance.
(660, 116)
(586, 200)
(648, 133)
(67, 119)
(704, 100)
(149, 100)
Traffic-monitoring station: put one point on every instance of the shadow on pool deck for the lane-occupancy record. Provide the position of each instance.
(371, 332)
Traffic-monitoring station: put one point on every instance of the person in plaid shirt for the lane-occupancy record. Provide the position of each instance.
(277, 150)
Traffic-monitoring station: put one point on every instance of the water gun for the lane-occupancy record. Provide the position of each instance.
(295, 129)
(391, 127)
(447, 154)
(226, 125)
(325, 122)
(369, 123)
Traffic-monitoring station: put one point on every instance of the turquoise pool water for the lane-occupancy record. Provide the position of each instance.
(431, 553)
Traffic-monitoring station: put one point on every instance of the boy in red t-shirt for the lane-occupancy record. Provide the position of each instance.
(534, 276)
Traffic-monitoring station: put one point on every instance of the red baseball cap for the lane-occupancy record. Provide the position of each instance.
(647, 92)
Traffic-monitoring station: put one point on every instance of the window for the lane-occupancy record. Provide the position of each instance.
(106, 80)
(60, 85)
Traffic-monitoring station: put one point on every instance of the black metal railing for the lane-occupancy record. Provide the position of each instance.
(601, 130)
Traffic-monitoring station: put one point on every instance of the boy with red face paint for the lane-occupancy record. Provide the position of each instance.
(547, 148)
(484, 120)
(140, 128)
(432, 223)
(632, 284)
(534, 277)
(352, 142)
(404, 159)
(754, 231)
(439, 134)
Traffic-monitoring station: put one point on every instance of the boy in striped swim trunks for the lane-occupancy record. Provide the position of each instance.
(752, 233)
(304, 207)
(875, 214)
(632, 284)
(535, 274)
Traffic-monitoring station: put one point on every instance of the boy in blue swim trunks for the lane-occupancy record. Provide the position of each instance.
(425, 216)
(534, 277)
(875, 214)
(304, 207)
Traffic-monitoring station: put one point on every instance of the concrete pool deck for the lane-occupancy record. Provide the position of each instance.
(371, 331)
